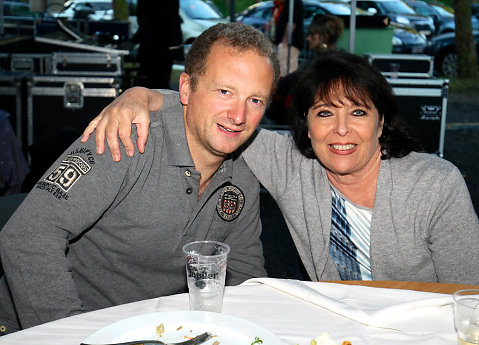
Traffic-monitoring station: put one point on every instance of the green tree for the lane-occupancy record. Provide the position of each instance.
(239, 5)
(120, 9)
(466, 52)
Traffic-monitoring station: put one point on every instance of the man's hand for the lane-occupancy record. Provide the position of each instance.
(132, 106)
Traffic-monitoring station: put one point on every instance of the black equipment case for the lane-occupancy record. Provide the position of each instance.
(403, 65)
(423, 105)
(56, 104)
(84, 64)
(58, 110)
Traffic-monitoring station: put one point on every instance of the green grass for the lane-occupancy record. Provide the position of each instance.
(464, 85)
(446, 2)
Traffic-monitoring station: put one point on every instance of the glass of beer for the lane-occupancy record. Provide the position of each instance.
(466, 316)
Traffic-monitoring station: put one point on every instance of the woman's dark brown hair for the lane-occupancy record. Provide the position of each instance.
(361, 83)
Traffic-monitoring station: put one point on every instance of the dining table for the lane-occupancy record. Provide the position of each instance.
(362, 312)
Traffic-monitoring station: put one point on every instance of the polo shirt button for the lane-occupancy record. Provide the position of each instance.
(188, 173)
(189, 191)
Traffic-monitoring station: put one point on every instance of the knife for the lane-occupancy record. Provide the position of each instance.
(199, 339)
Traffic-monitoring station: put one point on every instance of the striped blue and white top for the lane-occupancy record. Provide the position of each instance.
(350, 238)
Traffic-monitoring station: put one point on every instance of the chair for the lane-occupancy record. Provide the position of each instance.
(8, 205)
(13, 165)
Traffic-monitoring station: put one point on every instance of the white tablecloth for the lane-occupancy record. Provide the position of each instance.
(295, 311)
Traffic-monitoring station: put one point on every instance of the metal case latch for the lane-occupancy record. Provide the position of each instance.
(73, 98)
(22, 64)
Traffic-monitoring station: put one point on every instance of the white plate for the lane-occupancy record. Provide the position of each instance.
(228, 330)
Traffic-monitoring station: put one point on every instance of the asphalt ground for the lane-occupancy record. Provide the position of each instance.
(461, 147)
(461, 143)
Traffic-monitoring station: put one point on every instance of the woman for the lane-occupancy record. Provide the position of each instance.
(323, 33)
(358, 199)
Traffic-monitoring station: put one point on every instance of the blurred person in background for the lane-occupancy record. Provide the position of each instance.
(323, 33)
(282, 36)
(161, 42)
(270, 27)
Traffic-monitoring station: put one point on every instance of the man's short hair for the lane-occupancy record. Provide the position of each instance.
(235, 35)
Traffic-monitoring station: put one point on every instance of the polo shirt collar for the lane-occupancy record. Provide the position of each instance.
(172, 119)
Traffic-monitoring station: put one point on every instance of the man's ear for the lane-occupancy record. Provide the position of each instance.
(184, 87)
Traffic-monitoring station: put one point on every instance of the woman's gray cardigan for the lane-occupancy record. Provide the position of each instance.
(423, 227)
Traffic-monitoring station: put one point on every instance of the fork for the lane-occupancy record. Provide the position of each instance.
(199, 339)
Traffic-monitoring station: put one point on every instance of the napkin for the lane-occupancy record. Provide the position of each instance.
(404, 311)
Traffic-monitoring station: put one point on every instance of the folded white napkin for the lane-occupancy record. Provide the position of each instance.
(401, 310)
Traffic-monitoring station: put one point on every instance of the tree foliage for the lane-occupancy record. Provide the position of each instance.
(466, 52)
(239, 5)
(120, 9)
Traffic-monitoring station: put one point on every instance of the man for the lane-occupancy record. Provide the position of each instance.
(94, 233)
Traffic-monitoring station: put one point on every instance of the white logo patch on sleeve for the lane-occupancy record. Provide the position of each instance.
(68, 172)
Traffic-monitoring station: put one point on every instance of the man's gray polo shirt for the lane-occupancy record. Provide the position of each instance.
(94, 233)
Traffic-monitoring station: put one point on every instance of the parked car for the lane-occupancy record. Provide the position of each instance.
(91, 9)
(18, 20)
(443, 48)
(259, 14)
(475, 10)
(443, 19)
(405, 39)
(197, 16)
(16, 9)
(399, 12)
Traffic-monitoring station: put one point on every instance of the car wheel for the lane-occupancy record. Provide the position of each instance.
(448, 64)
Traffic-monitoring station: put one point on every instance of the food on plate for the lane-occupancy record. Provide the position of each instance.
(257, 340)
(160, 329)
(325, 339)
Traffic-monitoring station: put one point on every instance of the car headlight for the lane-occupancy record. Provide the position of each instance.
(397, 41)
(403, 20)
